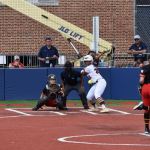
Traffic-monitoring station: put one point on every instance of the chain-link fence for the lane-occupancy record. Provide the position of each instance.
(142, 21)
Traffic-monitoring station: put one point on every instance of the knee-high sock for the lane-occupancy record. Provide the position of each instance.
(147, 118)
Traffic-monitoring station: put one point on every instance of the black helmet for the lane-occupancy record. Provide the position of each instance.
(51, 77)
(68, 64)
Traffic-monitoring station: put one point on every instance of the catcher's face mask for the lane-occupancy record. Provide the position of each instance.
(52, 81)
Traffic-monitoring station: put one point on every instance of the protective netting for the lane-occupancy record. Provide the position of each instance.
(142, 20)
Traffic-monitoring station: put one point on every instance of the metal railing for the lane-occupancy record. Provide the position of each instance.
(31, 61)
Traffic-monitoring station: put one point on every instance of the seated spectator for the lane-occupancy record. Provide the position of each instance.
(16, 63)
(138, 49)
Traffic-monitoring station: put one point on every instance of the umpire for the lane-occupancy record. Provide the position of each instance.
(72, 80)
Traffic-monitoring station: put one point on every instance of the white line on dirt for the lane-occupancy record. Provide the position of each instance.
(11, 116)
(85, 111)
(67, 140)
(119, 111)
(144, 134)
(19, 112)
(58, 113)
(89, 112)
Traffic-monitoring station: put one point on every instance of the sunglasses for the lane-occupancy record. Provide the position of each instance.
(136, 39)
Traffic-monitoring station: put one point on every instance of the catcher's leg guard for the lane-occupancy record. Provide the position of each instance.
(40, 103)
(60, 103)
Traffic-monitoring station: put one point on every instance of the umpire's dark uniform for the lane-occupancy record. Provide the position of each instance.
(72, 80)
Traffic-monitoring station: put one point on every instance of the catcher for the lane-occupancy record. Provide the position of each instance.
(51, 95)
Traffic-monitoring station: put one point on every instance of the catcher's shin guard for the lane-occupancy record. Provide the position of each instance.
(41, 102)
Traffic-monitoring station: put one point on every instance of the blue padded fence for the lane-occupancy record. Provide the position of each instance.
(2, 86)
(26, 84)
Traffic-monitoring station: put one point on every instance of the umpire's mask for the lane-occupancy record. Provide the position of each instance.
(68, 66)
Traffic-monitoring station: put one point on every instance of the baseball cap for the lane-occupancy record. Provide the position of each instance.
(47, 37)
(137, 37)
(16, 57)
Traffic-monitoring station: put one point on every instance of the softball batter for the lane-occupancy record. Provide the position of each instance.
(97, 82)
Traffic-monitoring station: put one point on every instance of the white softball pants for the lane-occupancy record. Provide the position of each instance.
(96, 90)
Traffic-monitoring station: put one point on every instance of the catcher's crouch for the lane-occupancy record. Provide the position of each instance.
(51, 95)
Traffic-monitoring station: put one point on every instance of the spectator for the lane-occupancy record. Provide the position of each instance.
(96, 57)
(48, 54)
(72, 80)
(51, 95)
(16, 63)
(138, 49)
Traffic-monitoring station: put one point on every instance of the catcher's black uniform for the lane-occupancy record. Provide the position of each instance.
(51, 96)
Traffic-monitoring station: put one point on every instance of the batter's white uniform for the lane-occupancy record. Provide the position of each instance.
(99, 83)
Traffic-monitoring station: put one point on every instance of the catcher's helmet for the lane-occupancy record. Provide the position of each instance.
(51, 77)
(88, 58)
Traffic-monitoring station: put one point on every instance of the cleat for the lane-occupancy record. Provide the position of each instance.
(61, 108)
(105, 110)
(147, 131)
(93, 109)
(139, 106)
(64, 108)
(86, 107)
(34, 109)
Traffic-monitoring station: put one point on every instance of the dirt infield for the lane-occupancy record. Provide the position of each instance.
(75, 129)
